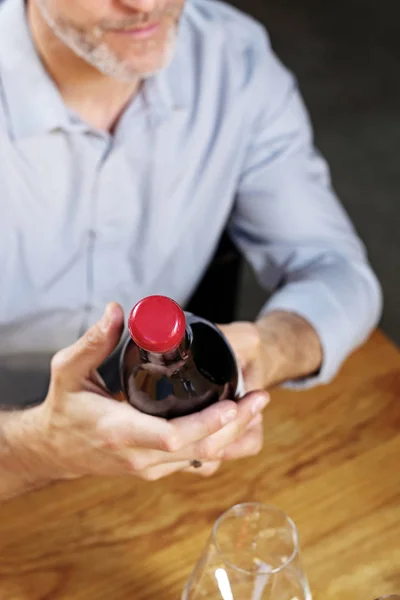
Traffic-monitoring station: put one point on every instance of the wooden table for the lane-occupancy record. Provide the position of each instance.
(331, 461)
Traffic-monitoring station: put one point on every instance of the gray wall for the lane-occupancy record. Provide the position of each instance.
(346, 55)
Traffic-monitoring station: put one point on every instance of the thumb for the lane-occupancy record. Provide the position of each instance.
(76, 363)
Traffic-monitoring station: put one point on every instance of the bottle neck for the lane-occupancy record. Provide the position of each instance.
(178, 355)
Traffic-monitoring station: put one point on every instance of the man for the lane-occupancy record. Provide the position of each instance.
(131, 132)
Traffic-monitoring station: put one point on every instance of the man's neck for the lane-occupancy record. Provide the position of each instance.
(98, 99)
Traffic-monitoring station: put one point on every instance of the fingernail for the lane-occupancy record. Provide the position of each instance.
(229, 416)
(259, 403)
(106, 319)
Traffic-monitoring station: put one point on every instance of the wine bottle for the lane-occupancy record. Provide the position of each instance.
(175, 363)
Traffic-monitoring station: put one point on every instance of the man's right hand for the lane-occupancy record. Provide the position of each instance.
(81, 430)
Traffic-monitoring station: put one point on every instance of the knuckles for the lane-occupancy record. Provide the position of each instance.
(169, 443)
(92, 338)
(257, 445)
(137, 465)
(57, 365)
(204, 450)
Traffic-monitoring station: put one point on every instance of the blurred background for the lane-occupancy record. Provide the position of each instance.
(346, 56)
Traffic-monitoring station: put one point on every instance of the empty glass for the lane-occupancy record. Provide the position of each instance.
(253, 554)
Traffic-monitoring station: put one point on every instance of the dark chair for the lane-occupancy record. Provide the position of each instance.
(216, 295)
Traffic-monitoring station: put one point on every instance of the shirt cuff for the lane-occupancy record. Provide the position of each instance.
(313, 302)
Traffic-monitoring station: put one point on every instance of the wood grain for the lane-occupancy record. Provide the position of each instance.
(331, 461)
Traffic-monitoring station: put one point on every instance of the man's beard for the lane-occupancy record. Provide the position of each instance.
(89, 47)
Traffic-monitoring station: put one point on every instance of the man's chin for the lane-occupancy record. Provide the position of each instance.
(148, 69)
(129, 65)
(134, 72)
(127, 70)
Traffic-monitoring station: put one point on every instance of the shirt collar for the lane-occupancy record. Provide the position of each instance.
(33, 101)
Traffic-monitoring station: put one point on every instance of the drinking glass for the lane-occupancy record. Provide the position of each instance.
(253, 554)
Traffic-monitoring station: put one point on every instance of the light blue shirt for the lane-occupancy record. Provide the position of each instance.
(221, 134)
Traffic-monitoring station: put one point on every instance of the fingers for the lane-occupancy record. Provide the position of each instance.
(141, 463)
(247, 345)
(200, 425)
(160, 471)
(209, 445)
(256, 421)
(77, 362)
(127, 427)
(249, 445)
(206, 470)
(210, 448)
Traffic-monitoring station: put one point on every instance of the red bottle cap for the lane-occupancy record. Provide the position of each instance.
(157, 324)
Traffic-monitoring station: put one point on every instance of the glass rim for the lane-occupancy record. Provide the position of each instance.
(265, 508)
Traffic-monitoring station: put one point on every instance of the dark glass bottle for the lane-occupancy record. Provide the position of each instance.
(175, 363)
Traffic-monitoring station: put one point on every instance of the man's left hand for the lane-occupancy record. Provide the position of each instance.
(279, 347)
(246, 342)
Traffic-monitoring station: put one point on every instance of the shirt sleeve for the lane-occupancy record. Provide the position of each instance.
(292, 228)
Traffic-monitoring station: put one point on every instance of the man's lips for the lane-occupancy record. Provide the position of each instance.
(139, 32)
